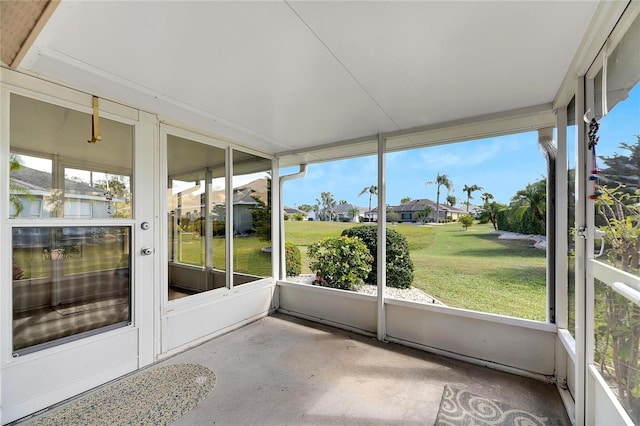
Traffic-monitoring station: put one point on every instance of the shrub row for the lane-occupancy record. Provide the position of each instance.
(527, 224)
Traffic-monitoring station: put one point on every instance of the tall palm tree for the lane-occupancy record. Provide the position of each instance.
(372, 190)
(469, 189)
(451, 199)
(486, 197)
(441, 180)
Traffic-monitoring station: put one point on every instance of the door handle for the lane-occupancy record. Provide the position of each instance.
(146, 251)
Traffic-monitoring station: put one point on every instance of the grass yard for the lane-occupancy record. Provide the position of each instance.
(465, 269)
(247, 254)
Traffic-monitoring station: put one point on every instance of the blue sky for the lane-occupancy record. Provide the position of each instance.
(501, 165)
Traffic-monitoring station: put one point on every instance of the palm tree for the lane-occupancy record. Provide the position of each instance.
(353, 212)
(486, 197)
(16, 190)
(441, 180)
(451, 199)
(533, 198)
(372, 190)
(328, 203)
(424, 213)
(469, 189)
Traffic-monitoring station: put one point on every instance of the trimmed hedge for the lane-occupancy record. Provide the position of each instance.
(293, 259)
(399, 264)
(527, 225)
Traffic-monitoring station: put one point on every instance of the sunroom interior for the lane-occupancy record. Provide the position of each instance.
(135, 134)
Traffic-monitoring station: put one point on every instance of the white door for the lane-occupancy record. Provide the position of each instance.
(79, 226)
(612, 194)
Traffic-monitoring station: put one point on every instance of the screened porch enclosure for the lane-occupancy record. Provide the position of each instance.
(145, 172)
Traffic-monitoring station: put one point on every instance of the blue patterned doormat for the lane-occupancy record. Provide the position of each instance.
(461, 408)
(154, 397)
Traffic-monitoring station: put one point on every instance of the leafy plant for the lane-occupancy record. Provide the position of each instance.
(466, 221)
(342, 262)
(617, 330)
(293, 259)
(399, 264)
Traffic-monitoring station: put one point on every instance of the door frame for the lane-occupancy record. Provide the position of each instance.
(40, 379)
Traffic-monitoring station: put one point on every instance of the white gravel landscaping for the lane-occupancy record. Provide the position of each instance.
(540, 241)
(411, 294)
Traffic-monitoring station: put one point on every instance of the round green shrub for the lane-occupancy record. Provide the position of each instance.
(399, 264)
(293, 259)
(340, 262)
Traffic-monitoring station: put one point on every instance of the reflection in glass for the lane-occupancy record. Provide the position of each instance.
(617, 346)
(571, 222)
(196, 217)
(44, 185)
(67, 282)
(251, 217)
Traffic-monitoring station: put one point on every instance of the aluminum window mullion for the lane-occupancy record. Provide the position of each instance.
(229, 216)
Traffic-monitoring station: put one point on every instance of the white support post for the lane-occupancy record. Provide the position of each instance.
(580, 266)
(545, 142)
(562, 227)
(229, 215)
(382, 239)
(208, 224)
(277, 225)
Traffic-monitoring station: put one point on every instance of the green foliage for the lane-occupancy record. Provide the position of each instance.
(261, 220)
(293, 259)
(399, 264)
(531, 202)
(342, 262)
(466, 221)
(490, 212)
(506, 221)
(286, 216)
(623, 171)
(218, 227)
(617, 319)
(423, 215)
(393, 217)
(298, 217)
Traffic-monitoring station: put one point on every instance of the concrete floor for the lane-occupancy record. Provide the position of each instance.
(282, 370)
(286, 371)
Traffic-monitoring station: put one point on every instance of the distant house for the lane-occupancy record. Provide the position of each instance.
(407, 212)
(38, 199)
(245, 198)
(345, 212)
(291, 211)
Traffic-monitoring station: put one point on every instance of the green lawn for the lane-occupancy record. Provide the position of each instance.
(465, 269)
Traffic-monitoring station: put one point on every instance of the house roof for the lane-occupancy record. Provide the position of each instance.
(38, 180)
(293, 78)
(419, 205)
(346, 208)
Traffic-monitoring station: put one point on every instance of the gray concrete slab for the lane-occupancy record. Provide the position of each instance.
(286, 371)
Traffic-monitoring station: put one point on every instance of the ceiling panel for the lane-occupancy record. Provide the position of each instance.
(429, 62)
(282, 76)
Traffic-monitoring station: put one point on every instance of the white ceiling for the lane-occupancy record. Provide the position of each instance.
(281, 76)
